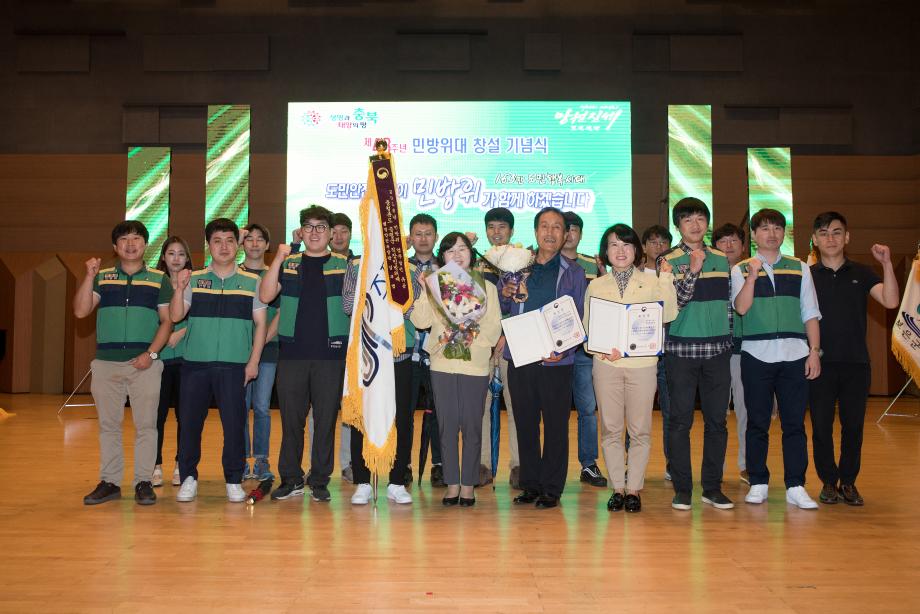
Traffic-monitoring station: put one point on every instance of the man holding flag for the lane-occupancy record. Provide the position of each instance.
(378, 334)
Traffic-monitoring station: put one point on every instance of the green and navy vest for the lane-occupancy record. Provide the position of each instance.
(334, 276)
(128, 319)
(270, 312)
(589, 265)
(705, 318)
(220, 324)
(776, 312)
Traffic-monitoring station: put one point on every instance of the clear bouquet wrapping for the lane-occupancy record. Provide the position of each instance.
(461, 299)
(513, 263)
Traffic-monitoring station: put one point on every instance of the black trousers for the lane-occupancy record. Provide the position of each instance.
(542, 392)
(300, 385)
(225, 385)
(846, 384)
(713, 378)
(404, 414)
(421, 389)
(787, 381)
(169, 397)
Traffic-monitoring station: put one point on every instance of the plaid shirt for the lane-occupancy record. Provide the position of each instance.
(684, 288)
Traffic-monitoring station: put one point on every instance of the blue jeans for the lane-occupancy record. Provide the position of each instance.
(664, 404)
(259, 396)
(585, 405)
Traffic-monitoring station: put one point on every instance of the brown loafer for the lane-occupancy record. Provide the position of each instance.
(829, 494)
(850, 495)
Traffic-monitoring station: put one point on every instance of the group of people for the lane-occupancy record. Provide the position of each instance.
(766, 333)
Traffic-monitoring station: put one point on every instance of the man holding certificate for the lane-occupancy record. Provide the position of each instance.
(543, 388)
(627, 309)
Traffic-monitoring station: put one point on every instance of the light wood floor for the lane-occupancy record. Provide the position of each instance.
(298, 555)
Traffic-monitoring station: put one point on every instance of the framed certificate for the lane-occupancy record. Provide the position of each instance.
(635, 329)
(533, 336)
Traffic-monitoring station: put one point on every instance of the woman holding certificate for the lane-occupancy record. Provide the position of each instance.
(464, 315)
(625, 375)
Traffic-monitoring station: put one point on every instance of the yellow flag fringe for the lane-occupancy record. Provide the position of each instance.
(907, 361)
(380, 460)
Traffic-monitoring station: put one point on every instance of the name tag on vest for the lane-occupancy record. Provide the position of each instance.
(204, 284)
(110, 276)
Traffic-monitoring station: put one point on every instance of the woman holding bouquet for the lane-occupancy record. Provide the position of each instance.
(465, 322)
(625, 387)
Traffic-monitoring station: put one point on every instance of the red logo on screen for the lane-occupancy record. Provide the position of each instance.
(311, 118)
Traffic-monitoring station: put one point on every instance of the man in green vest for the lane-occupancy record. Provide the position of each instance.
(132, 326)
(313, 331)
(697, 352)
(774, 297)
(226, 334)
(256, 241)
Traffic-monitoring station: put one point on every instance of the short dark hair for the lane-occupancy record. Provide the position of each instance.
(378, 143)
(161, 265)
(623, 233)
(423, 218)
(573, 219)
(129, 227)
(262, 229)
(767, 216)
(221, 224)
(449, 240)
(500, 214)
(316, 212)
(726, 230)
(536, 219)
(656, 230)
(340, 219)
(824, 220)
(688, 206)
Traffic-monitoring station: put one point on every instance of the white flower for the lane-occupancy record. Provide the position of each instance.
(509, 258)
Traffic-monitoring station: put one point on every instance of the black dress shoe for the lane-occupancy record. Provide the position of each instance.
(547, 501)
(828, 494)
(528, 496)
(633, 504)
(437, 477)
(450, 501)
(464, 502)
(615, 502)
(850, 495)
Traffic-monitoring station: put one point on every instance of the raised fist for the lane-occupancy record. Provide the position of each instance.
(472, 236)
(284, 250)
(296, 236)
(243, 234)
(881, 253)
(93, 264)
(697, 257)
(665, 266)
(601, 267)
(182, 279)
(754, 266)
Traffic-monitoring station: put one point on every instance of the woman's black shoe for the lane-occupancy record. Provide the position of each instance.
(615, 502)
(633, 504)
(464, 502)
(450, 501)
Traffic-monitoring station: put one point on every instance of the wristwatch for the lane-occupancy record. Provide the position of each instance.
(153, 355)
(819, 351)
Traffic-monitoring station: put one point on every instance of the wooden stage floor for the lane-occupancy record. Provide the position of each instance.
(298, 555)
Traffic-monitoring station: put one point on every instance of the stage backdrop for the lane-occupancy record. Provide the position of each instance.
(456, 160)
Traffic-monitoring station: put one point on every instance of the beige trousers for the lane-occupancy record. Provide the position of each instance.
(113, 383)
(624, 397)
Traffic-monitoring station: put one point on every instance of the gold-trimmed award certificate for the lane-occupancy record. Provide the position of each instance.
(535, 335)
(635, 329)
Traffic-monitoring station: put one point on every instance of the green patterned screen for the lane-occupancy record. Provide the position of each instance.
(689, 155)
(227, 174)
(147, 195)
(770, 186)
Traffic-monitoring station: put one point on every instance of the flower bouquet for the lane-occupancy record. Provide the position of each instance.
(461, 299)
(513, 263)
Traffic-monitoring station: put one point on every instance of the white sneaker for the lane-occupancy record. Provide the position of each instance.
(757, 494)
(157, 479)
(235, 493)
(188, 491)
(397, 493)
(798, 496)
(363, 495)
(177, 479)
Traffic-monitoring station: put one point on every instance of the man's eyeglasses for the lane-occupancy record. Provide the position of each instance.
(319, 228)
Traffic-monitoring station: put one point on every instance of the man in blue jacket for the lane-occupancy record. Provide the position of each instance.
(544, 389)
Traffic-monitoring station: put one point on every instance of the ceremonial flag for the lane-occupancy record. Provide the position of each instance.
(377, 335)
(905, 336)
